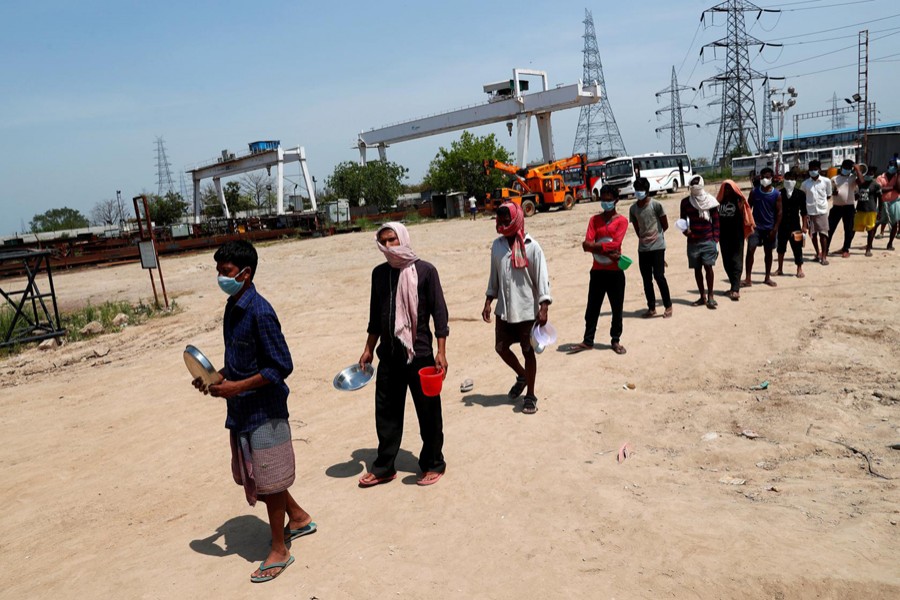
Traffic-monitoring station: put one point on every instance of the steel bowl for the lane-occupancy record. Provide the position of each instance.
(353, 378)
(199, 366)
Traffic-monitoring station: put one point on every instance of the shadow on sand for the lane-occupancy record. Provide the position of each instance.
(247, 536)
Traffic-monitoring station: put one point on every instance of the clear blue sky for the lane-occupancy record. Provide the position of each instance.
(85, 87)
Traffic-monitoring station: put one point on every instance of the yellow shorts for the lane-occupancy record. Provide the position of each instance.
(864, 221)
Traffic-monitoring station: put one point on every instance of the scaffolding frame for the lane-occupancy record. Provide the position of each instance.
(32, 319)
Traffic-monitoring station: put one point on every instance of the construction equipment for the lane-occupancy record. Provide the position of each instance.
(537, 188)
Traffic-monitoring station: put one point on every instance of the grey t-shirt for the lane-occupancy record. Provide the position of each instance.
(648, 220)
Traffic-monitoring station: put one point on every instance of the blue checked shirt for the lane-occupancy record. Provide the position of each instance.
(254, 344)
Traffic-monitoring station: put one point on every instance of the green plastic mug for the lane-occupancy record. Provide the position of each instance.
(624, 262)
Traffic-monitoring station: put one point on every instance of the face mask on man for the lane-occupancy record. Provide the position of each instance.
(813, 173)
(892, 169)
(789, 186)
(845, 172)
(607, 206)
(765, 182)
(230, 285)
(639, 195)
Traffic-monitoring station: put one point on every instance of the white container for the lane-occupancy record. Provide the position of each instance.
(541, 337)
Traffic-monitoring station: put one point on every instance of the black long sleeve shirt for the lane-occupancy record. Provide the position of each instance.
(382, 308)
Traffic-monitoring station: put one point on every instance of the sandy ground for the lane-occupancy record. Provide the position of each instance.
(116, 480)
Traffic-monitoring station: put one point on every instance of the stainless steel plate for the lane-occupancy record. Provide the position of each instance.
(200, 366)
(353, 378)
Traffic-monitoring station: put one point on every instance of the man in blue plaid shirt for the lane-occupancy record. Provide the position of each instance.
(257, 361)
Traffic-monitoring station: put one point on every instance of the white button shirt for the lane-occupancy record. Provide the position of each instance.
(519, 292)
(817, 191)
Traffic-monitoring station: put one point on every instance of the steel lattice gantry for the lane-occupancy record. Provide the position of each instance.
(519, 107)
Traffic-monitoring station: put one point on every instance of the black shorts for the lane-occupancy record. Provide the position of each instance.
(761, 237)
(507, 334)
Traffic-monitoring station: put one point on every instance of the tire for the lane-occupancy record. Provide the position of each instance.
(528, 207)
(569, 202)
(674, 188)
(595, 197)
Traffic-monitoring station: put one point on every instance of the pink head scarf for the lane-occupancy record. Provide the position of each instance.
(515, 228)
(407, 301)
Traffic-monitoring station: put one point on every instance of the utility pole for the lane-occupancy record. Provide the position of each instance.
(676, 124)
(738, 127)
(862, 115)
(596, 123)
(788, 99)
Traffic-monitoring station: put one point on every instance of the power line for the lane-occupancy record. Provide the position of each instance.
(821, 54)
(686, 54)
(842, 4)
(842, 28)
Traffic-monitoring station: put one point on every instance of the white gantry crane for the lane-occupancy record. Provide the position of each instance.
(263, 155)
(507, 103)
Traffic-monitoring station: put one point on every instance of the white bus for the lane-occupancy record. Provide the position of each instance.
(745, 166)
(665, 172)
(831, 158)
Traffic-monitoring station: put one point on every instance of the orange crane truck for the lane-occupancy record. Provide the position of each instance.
(537, 188)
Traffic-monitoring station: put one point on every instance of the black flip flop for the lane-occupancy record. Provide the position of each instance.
(518, 387)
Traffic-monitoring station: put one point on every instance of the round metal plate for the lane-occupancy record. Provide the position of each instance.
(602, 258)
(199, 366)
(353, 378)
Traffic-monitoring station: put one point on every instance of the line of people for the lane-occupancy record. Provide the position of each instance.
(406, 297)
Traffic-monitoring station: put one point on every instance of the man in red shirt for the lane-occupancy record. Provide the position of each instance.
(603, 239)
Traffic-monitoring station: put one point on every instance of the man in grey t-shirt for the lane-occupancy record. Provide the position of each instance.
(650, 223)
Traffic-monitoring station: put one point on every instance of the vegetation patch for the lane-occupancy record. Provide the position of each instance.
(105, 314)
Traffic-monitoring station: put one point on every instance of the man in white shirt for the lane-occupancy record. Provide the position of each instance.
(818, 190)
(473, 207)
(521, 286)
(843, 207)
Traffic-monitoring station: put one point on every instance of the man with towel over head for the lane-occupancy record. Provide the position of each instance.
(521, 286)
(406, 294)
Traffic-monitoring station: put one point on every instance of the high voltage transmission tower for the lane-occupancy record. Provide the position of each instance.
(838, 120)
(597, 133)
(676, 124)
(164, 181)
(768, 127)
(738, 128)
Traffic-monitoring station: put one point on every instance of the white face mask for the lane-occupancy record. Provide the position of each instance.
(765, 182)
(696, 190)
(789, 186)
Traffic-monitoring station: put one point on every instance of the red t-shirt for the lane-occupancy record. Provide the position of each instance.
(610, 236)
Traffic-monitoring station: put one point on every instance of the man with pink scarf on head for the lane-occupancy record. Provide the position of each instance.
(521, 286)
(406, 294)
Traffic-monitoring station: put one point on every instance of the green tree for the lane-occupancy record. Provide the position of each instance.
(235, 200)
(168, 209)
(461, 168)
(57, 219)
(378, 182)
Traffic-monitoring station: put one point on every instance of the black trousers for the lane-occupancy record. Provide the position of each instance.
(393, 378)
(604, 283)
(784, 238)
(845, 214)
(732, 248)
(653, 267)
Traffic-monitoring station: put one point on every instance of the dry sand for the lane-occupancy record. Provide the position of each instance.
(116, 480)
